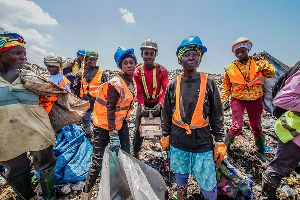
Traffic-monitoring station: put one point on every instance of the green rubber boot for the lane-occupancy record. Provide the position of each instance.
(228, 141)
(22, 185)
(260, 147)
(47, 184)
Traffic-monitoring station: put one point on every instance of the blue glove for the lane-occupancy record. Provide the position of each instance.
(114, 142)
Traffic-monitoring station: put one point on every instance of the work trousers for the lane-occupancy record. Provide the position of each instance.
(100, 141)
(138, 140)
(286, 159)
(254, 110)
(43, 161)
(88, 116)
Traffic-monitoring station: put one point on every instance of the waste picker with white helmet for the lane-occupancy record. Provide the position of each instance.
(114, 102)
(191, 114)
(243, 82)
(151, 80)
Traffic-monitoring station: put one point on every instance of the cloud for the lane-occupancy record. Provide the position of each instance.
(127, 16)
(36, 55)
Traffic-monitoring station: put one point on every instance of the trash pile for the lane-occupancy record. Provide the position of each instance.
(242, 157)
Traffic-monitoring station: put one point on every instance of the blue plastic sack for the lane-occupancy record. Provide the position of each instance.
(74, 155)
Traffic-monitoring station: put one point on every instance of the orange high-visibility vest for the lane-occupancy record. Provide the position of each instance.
(198, 121)
(91, 88)
(123, 107)
(237, 79)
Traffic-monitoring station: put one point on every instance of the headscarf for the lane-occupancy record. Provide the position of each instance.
(9, 40)
(90, 54)
(127, 55)
(242, 42)
(53, 59)
(194, 47)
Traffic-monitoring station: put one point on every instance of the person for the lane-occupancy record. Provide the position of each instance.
(88, 80)
(71, 71)
(151, 80)
(287, 129)
(243, 82)
(188, 125)
(111, 113)
(24, 124)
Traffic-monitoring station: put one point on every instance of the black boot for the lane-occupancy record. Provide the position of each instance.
(47, 180)
(260, 147)
(268, 188)
(228, 141)
(181, 193)
(22, 184)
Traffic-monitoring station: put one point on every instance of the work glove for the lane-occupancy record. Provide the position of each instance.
(165, 143)
(114, 141)
(226, 105)
(219, 152)
(156, 110)
(144, 111)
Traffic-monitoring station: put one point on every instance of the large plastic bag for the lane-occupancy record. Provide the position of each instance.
(124, 177)
(67, 110)
(74, 155)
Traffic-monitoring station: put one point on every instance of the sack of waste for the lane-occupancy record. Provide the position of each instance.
(67, 110)
(124, 177)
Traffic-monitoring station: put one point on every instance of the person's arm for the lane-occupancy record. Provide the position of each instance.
(268, 70)
(226, 89)
(289, 96)
(164, 84)
(139, 88)
(166, 113)
(112, 100)
(77, 83)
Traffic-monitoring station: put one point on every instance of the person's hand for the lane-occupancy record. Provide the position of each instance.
(156, 110)
(144, 111)
(258, 56)
(165, 143)
(226, 105)
(219, 152)
(114, 141)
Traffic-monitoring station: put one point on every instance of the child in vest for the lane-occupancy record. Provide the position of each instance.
(88, 80)
(113, 104)
(191, 116)
(287, 128)
(24, 125)
(243, 82)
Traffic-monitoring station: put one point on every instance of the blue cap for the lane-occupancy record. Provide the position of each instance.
(192, 40)
(81, 52)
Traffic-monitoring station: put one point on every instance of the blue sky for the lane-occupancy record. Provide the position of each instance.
(64, 26)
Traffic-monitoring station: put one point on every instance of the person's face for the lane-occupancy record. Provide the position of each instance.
(189, 61)
(53, 69)
(241, 53)
(148, 56)
(91, 62)
(13, 58)
(80, 57)
(128, 66)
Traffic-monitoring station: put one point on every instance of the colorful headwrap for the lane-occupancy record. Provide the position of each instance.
(241, 42)
(127, 55)
(92, 54)
(53, 59)
(9, 40)
(188, 48)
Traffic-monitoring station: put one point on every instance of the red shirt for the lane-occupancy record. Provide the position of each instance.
(161, 79)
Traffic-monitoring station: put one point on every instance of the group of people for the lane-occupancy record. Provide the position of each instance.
(190, 107)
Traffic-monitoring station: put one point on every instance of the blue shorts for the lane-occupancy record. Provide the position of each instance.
(200, 165)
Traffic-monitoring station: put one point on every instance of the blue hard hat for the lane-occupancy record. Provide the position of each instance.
(192, 40)
(120, 52)
(81, 52)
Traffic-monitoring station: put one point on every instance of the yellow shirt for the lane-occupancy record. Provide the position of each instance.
(247, 94)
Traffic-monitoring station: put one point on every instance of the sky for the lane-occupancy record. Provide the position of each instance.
(64, 26)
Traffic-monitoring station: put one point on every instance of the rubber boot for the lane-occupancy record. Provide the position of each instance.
(268, 188)
(22, 184)
(181, 193)
(228, 141)
(260, 147)
(47, 180)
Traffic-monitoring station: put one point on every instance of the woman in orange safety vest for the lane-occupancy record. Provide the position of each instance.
(243, 82)
(114, 101)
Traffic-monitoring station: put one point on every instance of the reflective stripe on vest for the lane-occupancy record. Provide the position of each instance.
(64, 82)
(237, 79)
(91, 88)
(154, 84)
(123, 106)
(198, 120)
(288, 126)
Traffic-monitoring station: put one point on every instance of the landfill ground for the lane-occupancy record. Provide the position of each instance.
(242, 157)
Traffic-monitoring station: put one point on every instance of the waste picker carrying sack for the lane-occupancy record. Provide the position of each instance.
(67, 109)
